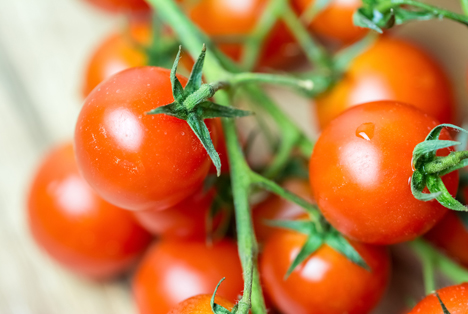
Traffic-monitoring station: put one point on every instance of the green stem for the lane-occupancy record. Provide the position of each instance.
(313, 9)
(439, 164)
(426, 255)
(464, 4)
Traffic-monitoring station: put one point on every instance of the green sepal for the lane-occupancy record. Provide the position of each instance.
(418, 183)
(209, 110)
(313, 243)
(426, 151)
(195, 79)
(375, 22)
(173, 109)
(335, 240)
(435, 184)
(216, 308)
(177, 89)
(444, 308)
(198, 126)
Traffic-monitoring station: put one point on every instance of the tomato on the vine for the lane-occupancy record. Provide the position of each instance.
(455, 298)
(133, 160)
(122, 6)
(326, 282)
(360, 173)
(335, 21)
(173, 271)
(75, 226)
(200, 304)
(391, 69)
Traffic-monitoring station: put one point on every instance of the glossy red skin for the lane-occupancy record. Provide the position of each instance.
(327, 282)
(121, 6)
(173, 271)
(277, 208)
(362, 186)
(75, 226)
(455, 299)
(335, 21)
(392, 69)
(200, 304)
(133, 160)
(185, 220)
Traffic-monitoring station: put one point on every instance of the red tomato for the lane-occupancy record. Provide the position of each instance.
(222, 149)
(360, 171)
(173, 271)
(392, 69)
(200, 304)
(277, 208)
(122, 6)
(75, 226)
(133, 160)
(238, 18)
(455, 299)
(327, 282)
(335, 21)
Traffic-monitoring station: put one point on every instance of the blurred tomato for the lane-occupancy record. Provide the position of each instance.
(455, 298)
(200, 304)
(122, 6)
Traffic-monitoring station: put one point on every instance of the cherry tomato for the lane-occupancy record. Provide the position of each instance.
(277, 208)
(133, 160)
(122, 6)
(173, 271)
(392, 69)
(75, 226)
(238, 18)
(327, 282)
(360, 171)
(455, 299)
(200, 304)
(335, 21)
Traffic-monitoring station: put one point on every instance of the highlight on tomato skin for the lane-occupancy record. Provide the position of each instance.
(200, 304)
(76, 227)
(122, 6)
(325, 283)
(134, 160)
(391, 69)
(455, 298)
(172, 264)
(360, 171)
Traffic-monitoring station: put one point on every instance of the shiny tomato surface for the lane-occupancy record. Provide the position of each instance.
(173, 271)
(455, 299)
(391, 69)
(133, 160)
(75, 226)
(122, 6)
(200, 304)
(325, 283)
(360, 173)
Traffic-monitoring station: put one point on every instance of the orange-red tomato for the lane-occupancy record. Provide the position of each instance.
(326, 282)
(200, 304)
(133, 160)
(392, 69)
(122, 6)
(277, 208)
(360, 171)
(335, 21)
(173, 271)
(75, 226)
(455, 299)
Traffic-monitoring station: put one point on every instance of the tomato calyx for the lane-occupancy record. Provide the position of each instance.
(444, 308)
(218, 309)
(429, 168)
(191, 104)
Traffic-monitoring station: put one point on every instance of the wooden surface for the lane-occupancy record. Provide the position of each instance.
(44, 45)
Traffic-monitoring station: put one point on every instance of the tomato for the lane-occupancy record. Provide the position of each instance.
(455, 299)
(185, 220)
(133, 160)
(325, 283)
(200, 304)
(75, 226)
(335, 21)
(360, 171)
(122, 6)
(173, 271)
(392, 69)
(222, 149)
(277, 208)
(230, 18)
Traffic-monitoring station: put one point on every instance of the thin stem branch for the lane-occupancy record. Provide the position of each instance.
(464, 4)
(426, 255)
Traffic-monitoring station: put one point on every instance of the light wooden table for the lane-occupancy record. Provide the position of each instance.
(44, 45)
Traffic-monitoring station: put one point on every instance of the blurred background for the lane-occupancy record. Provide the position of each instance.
(44, 47)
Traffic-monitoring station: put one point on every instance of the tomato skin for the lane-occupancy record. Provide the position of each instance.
(413, 78)
(170, 264)
(133, 160)
(200, 304)
(362, 185)
(75, 226)
(335, 21)
(277, 208)
(455, 299)
(327, 282)
(121, 6)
